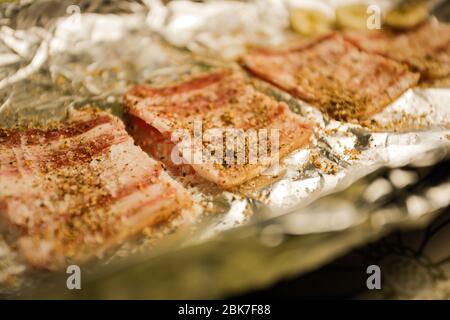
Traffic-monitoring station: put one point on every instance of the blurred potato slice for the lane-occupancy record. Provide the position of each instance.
(408, 15)
(352, 16)
(310, 22)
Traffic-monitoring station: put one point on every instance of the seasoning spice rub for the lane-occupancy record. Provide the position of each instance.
(426, 48)
(75, 189)
(241, 131)
(336, 76)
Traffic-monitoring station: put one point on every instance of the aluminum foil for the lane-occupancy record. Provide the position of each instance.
(318, 203)
(227, 28)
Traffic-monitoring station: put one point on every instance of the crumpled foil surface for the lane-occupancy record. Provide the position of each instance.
(353, 185)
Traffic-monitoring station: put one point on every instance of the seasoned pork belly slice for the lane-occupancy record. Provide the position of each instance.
(237, 124)
(72, 191)
(160, 148)
(426, 48)
(336, 76)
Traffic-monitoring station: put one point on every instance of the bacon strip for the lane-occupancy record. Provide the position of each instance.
(194, 84)
(425, 49)
(42, 136)
(336, 76)
(75, 195)
(224, 100)
(160, 147)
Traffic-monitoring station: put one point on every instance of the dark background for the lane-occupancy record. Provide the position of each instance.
(414, 265)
